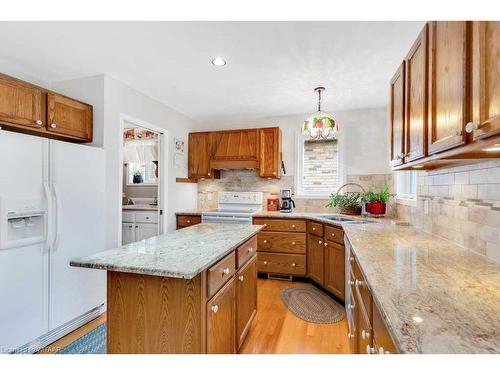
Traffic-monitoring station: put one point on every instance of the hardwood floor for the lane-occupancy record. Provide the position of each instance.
(275, 330)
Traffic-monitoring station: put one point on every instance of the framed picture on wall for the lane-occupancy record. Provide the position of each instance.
(178, 146)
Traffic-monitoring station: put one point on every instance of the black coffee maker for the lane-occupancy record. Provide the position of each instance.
(287, 204)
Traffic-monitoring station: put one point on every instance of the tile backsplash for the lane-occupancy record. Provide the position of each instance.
(461, 204)
(248, 180)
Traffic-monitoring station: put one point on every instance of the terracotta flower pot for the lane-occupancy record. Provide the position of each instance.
(375, 208)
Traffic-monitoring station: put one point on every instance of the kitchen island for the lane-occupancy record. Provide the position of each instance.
(189, 291)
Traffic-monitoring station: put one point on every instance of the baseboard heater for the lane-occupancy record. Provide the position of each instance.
(54, 335)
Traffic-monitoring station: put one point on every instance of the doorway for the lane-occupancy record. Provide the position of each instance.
(142, 180)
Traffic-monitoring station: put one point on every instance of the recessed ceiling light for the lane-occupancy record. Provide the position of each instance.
(218, 61)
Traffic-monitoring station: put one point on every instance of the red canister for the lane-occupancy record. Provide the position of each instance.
(273, 204)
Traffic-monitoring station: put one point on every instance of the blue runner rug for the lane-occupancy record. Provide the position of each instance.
(93, 342)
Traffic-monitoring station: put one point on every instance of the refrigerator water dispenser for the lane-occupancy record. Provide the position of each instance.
(22, 222)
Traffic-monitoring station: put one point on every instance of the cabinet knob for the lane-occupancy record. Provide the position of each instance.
(382, 351)
(351, 282)
(293, 243)
(360, 283)
(350, 306)
(320, 242)
(333, 234)
(370, 350)
(265, 241)
(325, 244)
(137, 226)
(365, 335)
(314, 228)
(274, 173)
(39, 122)
(53, 125)
(250, 249)
(265, 225)
(293, 226)
(350, 336)
(265, 263)
(131, 226)
(351, 259)
(225, 271)
(470, 127)
(241, 278)
(209, 173)
(215, 308)
(294, 265)
(189, 221)
(147, 217)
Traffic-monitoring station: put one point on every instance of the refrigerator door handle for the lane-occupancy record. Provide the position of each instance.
(55, 241)
(48, 219)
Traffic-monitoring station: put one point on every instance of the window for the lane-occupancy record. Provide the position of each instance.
(318, 173)
(147, 170)
(406, 186)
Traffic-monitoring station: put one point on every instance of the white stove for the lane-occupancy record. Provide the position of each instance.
(234, 208)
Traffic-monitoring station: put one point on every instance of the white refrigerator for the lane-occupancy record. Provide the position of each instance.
(51, 211)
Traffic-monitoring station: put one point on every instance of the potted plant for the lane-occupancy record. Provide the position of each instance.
(138, 177)
(348, 203)
(376, 201)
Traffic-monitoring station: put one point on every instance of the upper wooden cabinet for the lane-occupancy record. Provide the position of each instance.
(485, 80)
(416, 99)
(270, 152)
(199, 156)
(260, 148)
(31, 109)
(448, 97)
(68, 117)
(21, 103)
(397, 115)
(235, 148)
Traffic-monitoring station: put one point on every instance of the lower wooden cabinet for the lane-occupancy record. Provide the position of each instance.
(246, 299)
(334, 268)
(315, 258)
(382, 340)
(221, 314)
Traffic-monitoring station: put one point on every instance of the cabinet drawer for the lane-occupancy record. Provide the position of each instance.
(277, 242)
(315, 228)
(187, 220)
(246, 251)
(287, 264)
(221, 272)
(334, 234)
(128, 217)
(146, 217)
(278, 225)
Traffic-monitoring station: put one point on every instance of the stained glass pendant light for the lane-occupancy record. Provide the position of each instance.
(320, 125)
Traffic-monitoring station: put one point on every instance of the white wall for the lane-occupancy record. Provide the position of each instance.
(117, 99)
(365, 136)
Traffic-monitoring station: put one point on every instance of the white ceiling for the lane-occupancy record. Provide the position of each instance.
(272, 66)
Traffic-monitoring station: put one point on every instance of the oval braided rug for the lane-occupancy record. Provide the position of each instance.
(312, 305)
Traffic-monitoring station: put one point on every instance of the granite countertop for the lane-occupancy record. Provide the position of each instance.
(181, 254)
(140, 207)
(435, 296)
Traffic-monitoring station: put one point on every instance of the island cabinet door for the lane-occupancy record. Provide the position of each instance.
(334, 268)
(246, 299)
(221, 321)
(315, 259)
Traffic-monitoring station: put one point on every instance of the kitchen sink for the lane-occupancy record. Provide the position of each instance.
(344, 219)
